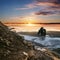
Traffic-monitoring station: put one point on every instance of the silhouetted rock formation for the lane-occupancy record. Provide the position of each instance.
(14, 47)
(42, 32)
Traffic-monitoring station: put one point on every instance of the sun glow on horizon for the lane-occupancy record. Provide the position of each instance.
(30, 24)
(34, 27)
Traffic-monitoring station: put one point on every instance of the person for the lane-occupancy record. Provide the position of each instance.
(42, 32)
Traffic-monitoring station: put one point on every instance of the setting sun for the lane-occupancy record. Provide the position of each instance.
(30, 24)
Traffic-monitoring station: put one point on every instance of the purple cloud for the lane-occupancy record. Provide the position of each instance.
(53, 7)
(49, 1)
(45, 13)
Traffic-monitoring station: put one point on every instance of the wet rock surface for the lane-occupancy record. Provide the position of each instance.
(14, 47)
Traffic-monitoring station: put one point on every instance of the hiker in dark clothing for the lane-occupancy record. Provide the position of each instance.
(42, 32)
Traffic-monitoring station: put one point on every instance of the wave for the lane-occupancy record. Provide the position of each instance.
(49, 42)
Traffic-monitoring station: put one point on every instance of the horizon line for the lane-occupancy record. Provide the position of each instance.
(31, 23)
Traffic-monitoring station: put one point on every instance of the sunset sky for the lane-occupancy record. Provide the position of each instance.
(30, 11)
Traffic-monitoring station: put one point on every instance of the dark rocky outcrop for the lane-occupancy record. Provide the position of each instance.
(14, 47)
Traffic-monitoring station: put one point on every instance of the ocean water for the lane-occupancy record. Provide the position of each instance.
(34, 27)
(49, 42)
